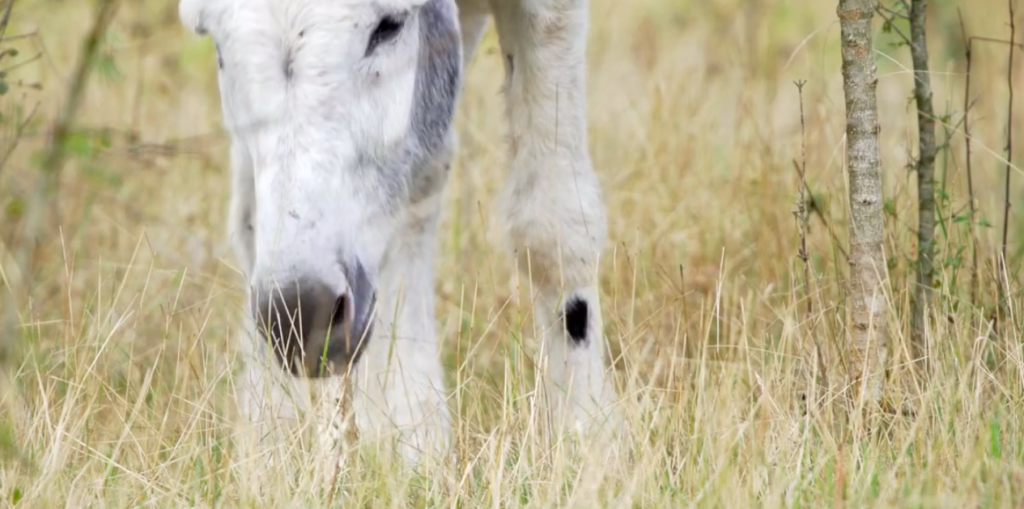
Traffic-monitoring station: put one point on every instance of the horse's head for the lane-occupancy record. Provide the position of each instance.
(333, 105)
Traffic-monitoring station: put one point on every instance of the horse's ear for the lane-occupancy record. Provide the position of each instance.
(192, 14)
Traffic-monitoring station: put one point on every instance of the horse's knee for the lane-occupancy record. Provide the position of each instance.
(555, 221)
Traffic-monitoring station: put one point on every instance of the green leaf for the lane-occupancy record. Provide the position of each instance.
(8, 441)
(107, 67)
(37, 158)
(78, 144)
(3, 87)
(105, 139)
(15, 208)
(994, 441)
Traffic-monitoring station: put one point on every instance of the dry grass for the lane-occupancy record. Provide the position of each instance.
(122, 394)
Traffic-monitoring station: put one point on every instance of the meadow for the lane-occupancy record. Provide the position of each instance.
(731, 367)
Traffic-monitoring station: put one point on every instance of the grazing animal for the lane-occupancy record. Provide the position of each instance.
(340, 117)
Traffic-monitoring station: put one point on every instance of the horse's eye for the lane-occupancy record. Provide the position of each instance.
(387, 29)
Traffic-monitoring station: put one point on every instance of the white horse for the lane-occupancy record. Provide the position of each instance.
(340, 116)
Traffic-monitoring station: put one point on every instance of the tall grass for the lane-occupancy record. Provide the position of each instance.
(122, 395)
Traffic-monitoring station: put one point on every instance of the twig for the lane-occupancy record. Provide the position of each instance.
(970, 177)
(804, 226)
(26, 35)
(1000, 41)
(18, 133)
(23, 63)
(815, 208)
(1004, 276)
(5, 19)
(801, 208)
(894, 12)
(892, 23)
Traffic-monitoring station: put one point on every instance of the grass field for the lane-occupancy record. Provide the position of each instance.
(121, 392)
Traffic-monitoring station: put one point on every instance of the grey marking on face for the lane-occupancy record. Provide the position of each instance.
(409, 172)
(438, 76)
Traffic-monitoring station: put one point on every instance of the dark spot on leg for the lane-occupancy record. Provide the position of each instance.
(220, 58)
(510, 64)
(576, 319)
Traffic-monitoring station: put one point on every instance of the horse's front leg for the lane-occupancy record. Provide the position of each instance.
(552, 205)
(399, 384)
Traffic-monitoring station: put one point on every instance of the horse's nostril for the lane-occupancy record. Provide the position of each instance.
(340, 313)
(313, 328)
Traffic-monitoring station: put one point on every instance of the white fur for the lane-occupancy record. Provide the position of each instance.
(399, 383)
(552, 204)
(302, 204)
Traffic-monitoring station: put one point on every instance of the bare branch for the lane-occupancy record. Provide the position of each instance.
(23, 63)
(999, 41)
(18, 133)
(970, 176)
(801, 209)
(892, 23)
(1003, 273)
(893, 12)
(5, 19)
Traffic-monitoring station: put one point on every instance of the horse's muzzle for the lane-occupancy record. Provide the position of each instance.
(315, 328)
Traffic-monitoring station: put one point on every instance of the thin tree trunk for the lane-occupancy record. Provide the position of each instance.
(925, 178)
(867, 264)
